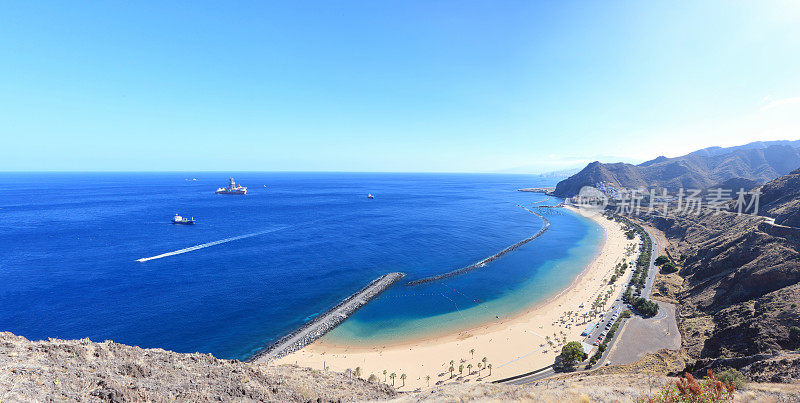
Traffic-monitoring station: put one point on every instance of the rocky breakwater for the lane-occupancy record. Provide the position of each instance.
(483, 262)
(323, 323)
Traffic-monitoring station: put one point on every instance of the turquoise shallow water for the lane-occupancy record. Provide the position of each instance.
(543, 271)
(69, 269)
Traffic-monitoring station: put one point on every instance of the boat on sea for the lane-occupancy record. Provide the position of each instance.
(232, 189)
(370, 196)
(182, 220)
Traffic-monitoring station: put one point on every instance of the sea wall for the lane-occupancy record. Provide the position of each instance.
(488, 259)
(325, 322)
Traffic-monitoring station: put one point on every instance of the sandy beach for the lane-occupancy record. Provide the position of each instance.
(524, 342)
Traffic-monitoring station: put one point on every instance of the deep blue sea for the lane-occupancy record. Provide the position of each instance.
(69, 244)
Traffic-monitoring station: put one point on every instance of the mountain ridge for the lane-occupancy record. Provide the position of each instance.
(754, 163)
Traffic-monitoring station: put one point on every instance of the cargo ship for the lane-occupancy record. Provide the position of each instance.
(232, 189)
(182, 220)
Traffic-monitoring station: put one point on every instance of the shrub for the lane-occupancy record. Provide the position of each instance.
(572, 352)
(688, 389)
(645, 307)
(732, 377)
(794, 333)
(668, 268)
(661, 260)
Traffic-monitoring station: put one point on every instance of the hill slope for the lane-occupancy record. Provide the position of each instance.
(780, 199)
(739, 290)
(79, 370)
(758, 163)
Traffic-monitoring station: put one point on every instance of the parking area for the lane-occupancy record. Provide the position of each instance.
(642, 336)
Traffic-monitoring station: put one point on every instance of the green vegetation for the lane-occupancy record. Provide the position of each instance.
(643, 262)
(572, 353)
(661, 260)
(619, 270)
(794, 334)
(645, 307)
(633, 293)
(733, 377)
(668, 268)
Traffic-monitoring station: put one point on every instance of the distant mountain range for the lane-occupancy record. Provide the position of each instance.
(748, 166)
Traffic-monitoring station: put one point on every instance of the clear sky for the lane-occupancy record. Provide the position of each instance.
(455, 86)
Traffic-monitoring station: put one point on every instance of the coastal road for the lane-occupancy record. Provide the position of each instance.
(605, 323)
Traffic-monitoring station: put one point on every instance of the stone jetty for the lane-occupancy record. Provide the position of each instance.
(323, 323)
(545, 190)
(488, 259)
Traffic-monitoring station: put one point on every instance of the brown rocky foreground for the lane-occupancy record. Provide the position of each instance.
(80, 370)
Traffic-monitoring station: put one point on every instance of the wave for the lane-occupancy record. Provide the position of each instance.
(207, 244)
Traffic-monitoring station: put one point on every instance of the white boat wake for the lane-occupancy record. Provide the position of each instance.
(206, 245)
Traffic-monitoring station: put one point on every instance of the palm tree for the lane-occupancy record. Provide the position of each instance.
(484, 361)
(357, 372)
(451, 369)
(479, 367)
(469, 367)
(348, 372)
(392, 376)
(403, 377)
(472, 352)
(461, 369)
(490, 368)
(384, 376)
(451, 362)
(428, 379)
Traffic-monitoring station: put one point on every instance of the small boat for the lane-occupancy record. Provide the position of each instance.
(370, 196)
(182, 220)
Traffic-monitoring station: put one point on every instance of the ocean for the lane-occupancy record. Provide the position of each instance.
(256, 267)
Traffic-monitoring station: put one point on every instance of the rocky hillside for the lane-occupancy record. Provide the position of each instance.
(755, 163)
(780, 199)
(588, 387)
(739, 293)
(80, 370)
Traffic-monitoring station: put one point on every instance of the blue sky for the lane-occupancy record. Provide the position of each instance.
(447, 86)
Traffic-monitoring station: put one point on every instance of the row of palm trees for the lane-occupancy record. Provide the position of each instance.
(481, 365)
(357, 373)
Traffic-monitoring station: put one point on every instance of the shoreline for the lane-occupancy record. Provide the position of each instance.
(521, 343)
(334, 347)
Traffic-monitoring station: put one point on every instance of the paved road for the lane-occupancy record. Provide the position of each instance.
(616, 308)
